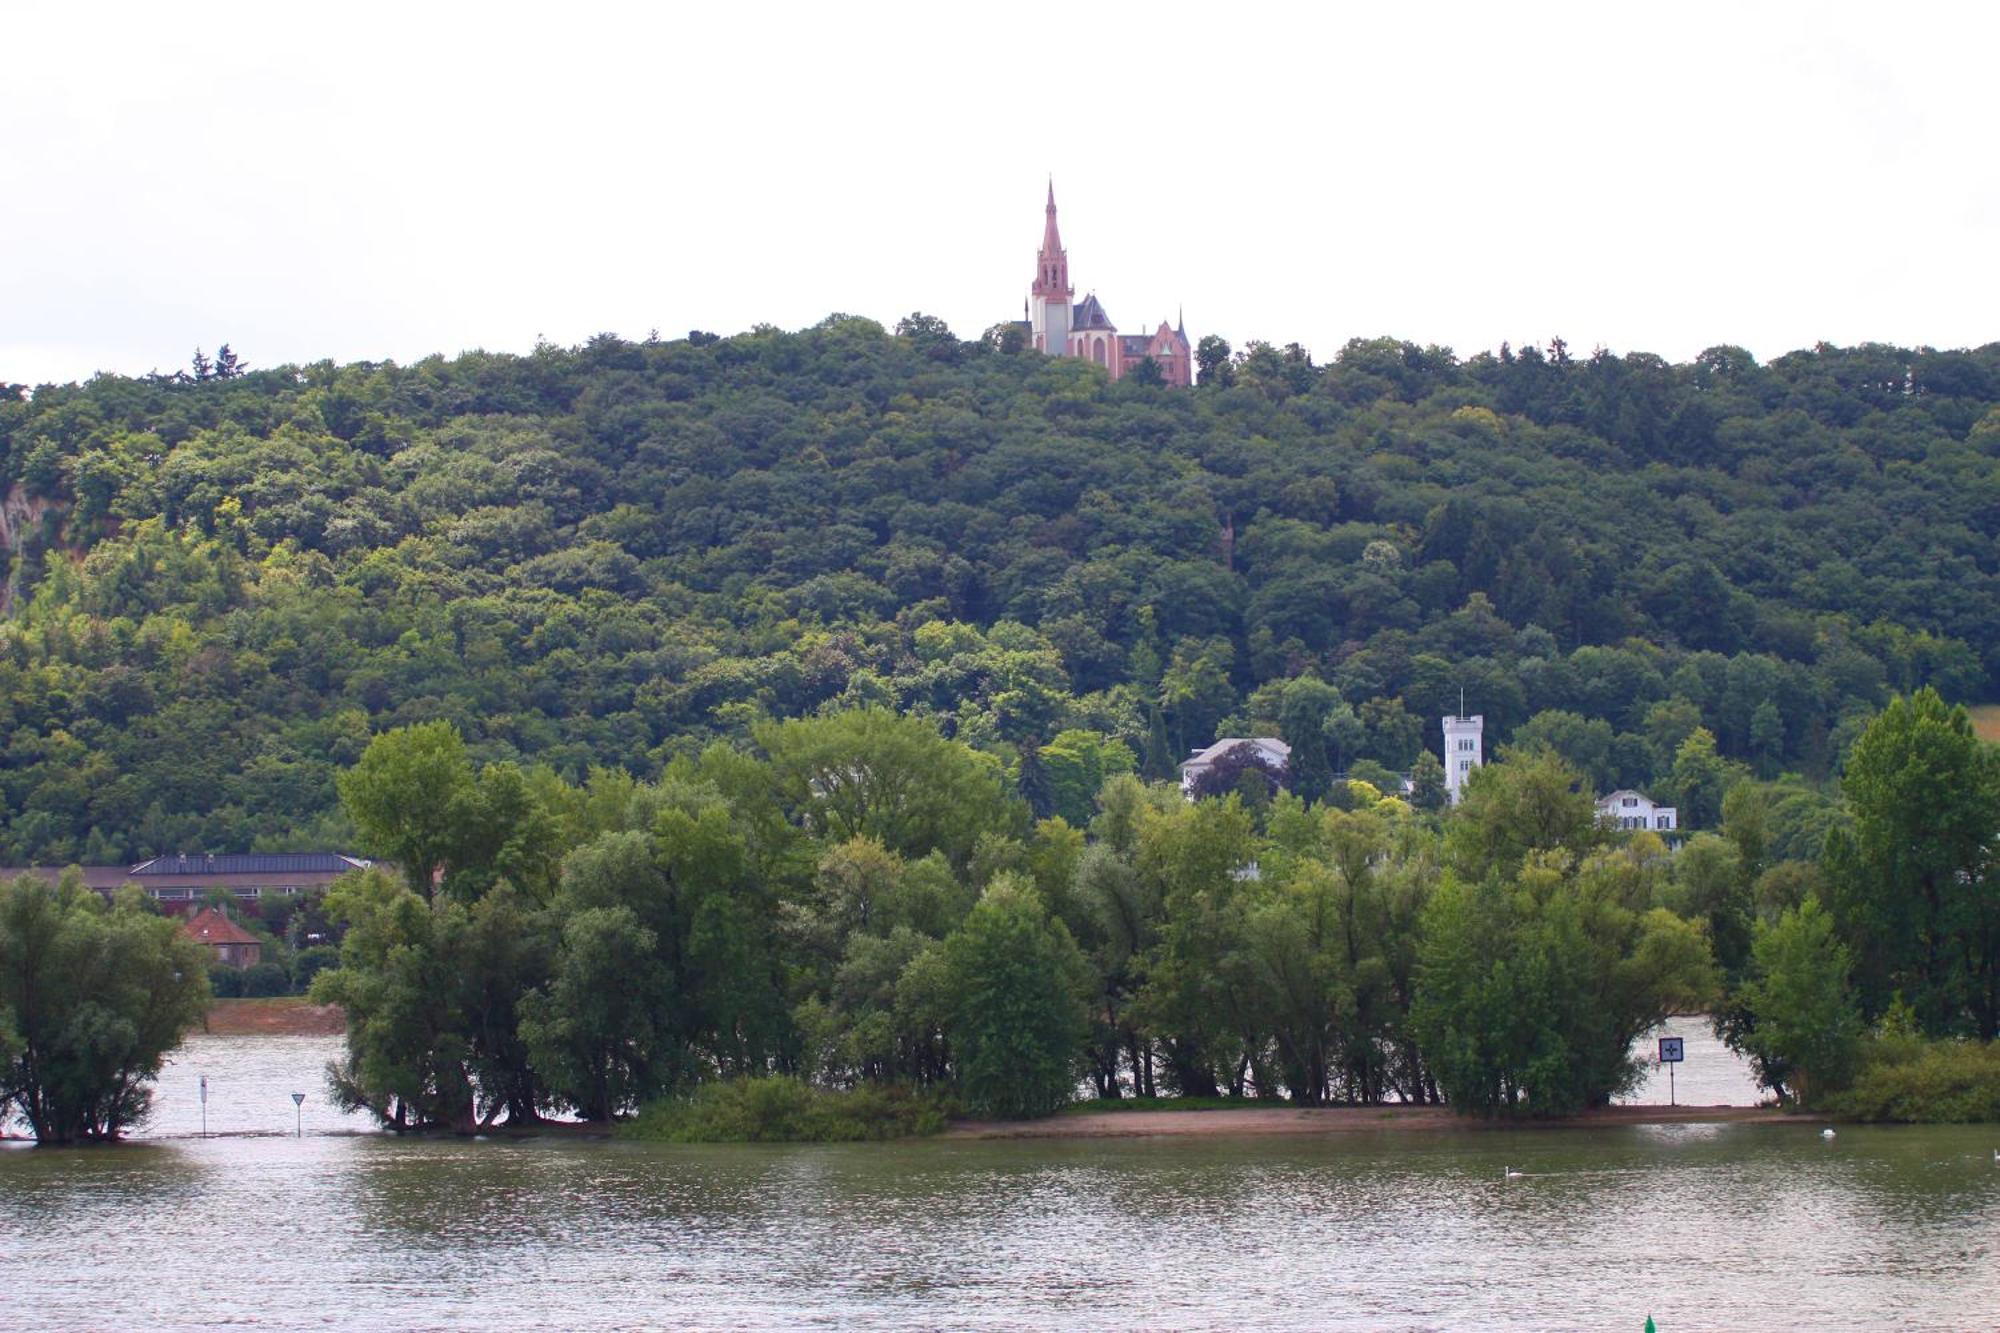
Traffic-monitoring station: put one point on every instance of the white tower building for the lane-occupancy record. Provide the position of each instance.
(1464, 750)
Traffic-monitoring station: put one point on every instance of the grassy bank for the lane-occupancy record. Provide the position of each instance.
(786, 1110)
(1913, 1081)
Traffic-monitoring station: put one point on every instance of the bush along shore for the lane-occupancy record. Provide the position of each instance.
(1906, 1079)
(780, 1109)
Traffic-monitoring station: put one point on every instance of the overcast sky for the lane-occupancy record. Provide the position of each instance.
(367, 182)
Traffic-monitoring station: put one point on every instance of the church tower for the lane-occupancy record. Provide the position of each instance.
(1048, 304)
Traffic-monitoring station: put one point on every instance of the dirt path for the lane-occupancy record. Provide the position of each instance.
(285, 1016)
(1334, 1120)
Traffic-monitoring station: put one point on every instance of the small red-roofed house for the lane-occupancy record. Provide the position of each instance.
(233, 945)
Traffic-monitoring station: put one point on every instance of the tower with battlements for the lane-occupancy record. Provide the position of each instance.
(1464, 739)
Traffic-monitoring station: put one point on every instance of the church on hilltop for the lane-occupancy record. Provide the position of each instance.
(1058, 328)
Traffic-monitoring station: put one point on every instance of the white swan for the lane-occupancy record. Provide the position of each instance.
(1509, 1173)
(1826, 1133)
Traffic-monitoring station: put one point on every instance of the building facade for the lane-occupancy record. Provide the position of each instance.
(1057, 326)
(1464, 750)
(1635, 810)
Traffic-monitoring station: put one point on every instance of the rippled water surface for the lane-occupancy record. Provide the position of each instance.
(1706, 1227)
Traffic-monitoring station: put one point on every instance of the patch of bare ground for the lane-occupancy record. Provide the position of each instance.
(281, 1016)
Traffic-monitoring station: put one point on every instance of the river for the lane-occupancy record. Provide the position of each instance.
(1703, 1226)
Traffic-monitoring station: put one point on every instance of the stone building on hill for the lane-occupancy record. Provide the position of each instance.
(1056, 326)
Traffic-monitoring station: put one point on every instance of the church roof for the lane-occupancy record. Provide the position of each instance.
(1090, 316)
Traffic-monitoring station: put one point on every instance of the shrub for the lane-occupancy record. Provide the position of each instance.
(788, 1110)
(265, 979)
(309, 963)
(1905, 1078)
(225, 981)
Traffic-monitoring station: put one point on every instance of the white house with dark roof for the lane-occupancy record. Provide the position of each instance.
(1627, 809)
(1273, 752)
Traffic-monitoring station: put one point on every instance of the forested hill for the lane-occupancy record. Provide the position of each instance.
(222, 585)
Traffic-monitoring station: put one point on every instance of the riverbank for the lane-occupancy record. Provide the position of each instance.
(1260, 1121)
(280, 1016)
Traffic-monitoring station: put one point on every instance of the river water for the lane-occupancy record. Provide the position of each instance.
(1703, 1226)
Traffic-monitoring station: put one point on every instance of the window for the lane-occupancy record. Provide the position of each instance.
(1466, 743)
(1630, 801)
(1464, 766)
(1665, 822)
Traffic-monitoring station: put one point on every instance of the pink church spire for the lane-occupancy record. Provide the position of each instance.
(1052, 264)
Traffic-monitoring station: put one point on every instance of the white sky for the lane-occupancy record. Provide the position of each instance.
(366, 181)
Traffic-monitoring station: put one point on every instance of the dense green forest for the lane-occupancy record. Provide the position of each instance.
(797, 703)
(222, 584)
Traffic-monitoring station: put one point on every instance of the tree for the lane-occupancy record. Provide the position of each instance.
(1715, 889)
(410, 797)
(1700, 780)
(1034, 785)
(1914, 886)
(1427, 785)
(1804, 1032)
(1190, 859)
(1014, 995)
(595, 1032)
(1079, 763)
(1530, 993)
(1306, 707)
(1527, 803)
(92, 998)
(408, 1060)
(1211, 359)
(871, 772)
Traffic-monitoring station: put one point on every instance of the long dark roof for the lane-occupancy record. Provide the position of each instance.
(252, 863)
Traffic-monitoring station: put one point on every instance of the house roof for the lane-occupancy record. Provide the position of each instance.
(254, 863)
(275, 870)
(1228, 743)
(212, 927)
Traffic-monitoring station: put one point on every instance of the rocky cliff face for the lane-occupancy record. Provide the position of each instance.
(20, 514)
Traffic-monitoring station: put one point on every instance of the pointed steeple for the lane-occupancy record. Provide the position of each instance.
(1052, 264)
(1180, 322)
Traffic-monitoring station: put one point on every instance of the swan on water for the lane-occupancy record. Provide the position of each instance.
(1826, 1133)
(1509, 1173)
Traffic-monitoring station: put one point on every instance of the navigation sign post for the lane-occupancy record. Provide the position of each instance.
(298, 1115)
(1670, 1055)
(204, 1106)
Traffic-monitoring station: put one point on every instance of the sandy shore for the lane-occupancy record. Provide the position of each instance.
(1252, 1122)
